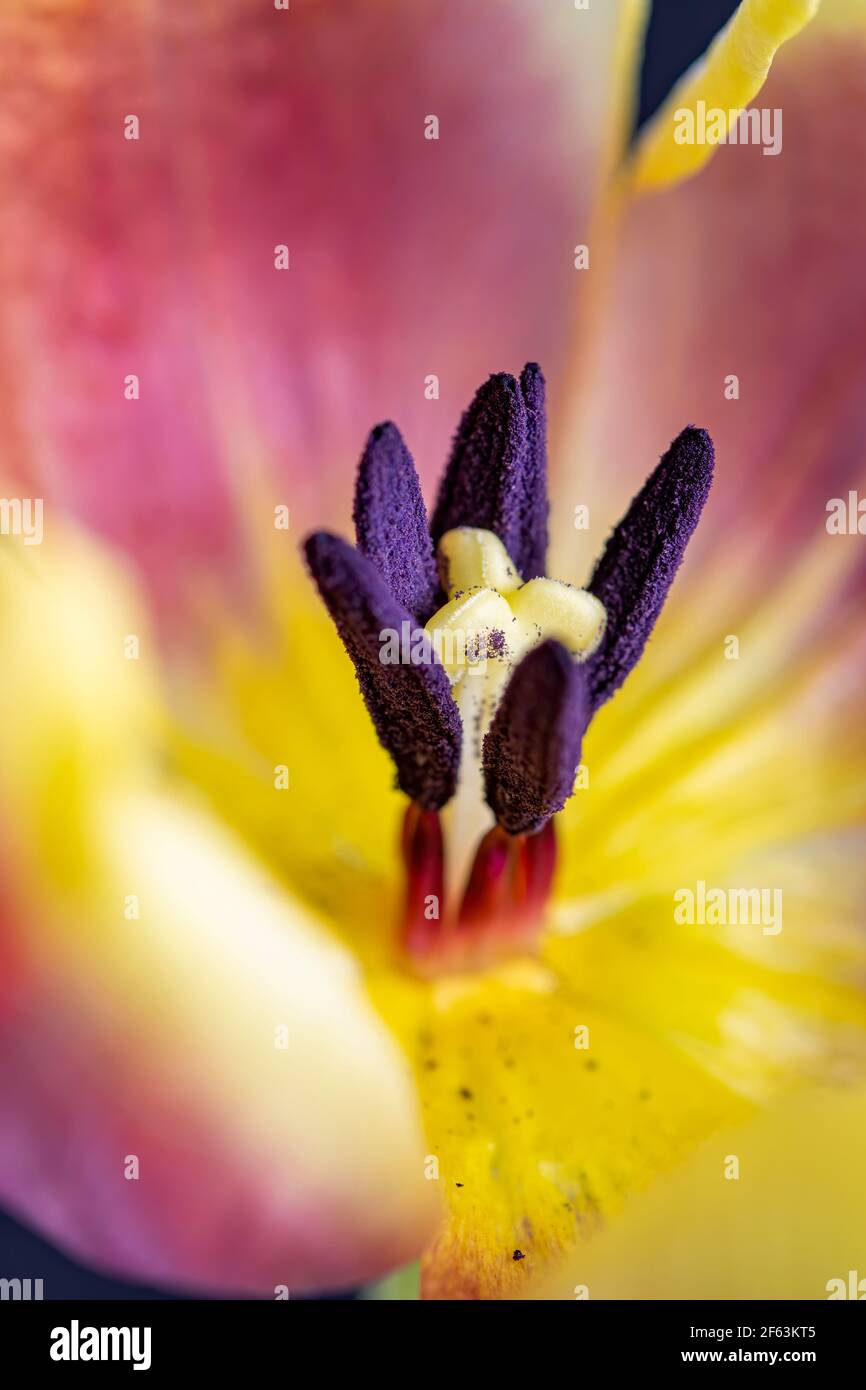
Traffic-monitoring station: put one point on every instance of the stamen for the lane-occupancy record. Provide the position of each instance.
(489, 898)
(646, 549)
(531, 548)
(496, 478)
(391, 521)
(502, 909)
(532, 750)
(410, 702)
(537, 867)
(424, 908)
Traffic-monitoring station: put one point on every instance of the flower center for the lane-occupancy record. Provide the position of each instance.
(484, 718)
(494, 885)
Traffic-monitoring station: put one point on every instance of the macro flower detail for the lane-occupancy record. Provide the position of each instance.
(497, 689)
(443, 1030)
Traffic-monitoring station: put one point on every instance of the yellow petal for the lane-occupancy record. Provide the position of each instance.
(218, 1038)
(338, 852)
(550, 1094)
(78, 706)
(535, 1139)
(689, 1029)
(555, 1089)
(727, 79)
(168, 1002)
(767, 1210)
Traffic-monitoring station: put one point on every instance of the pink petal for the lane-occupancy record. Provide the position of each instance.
(258, 127)
(753, 268)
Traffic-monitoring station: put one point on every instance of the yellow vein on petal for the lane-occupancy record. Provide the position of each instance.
(682, 810)
(691, 706)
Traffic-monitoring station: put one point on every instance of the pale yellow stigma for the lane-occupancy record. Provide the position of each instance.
(492, 616)
(470, 558)
(466, 631)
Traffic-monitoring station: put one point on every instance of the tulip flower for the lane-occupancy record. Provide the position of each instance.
(315, 964)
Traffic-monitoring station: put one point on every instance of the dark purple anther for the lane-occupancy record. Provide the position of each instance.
(496, 478)
(532, 749)
(530, 555)
(634, 574)
(409, 700)
(391, 522)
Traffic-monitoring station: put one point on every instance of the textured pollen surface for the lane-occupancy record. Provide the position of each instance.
(532, 547)
(496, 478)
(532, 750)
(410, 703)
(643, 554)
(391, 521)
